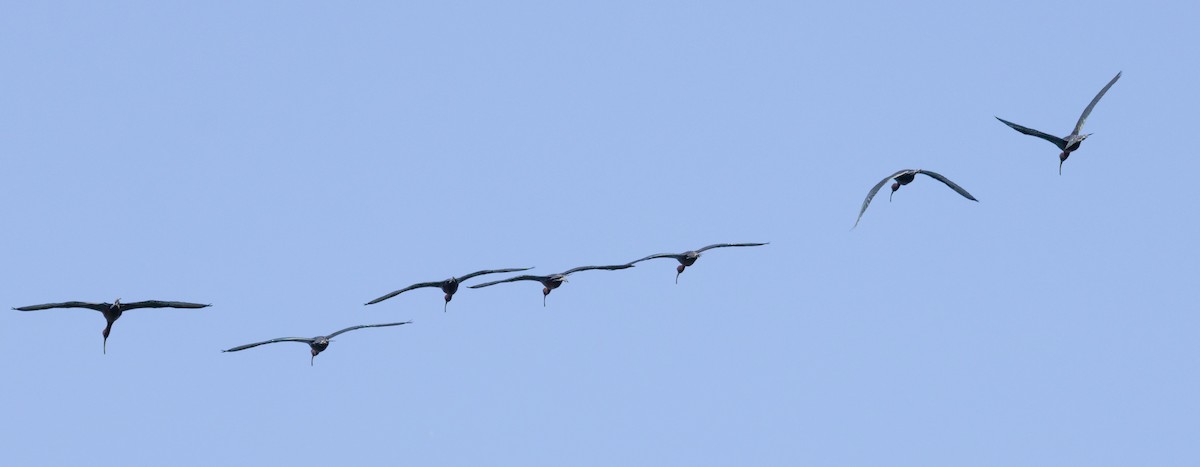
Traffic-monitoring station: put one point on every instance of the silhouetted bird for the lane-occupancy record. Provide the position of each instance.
(1072, 141)
(552, 281)
(449, 286)
(113, 310)
(689, 258)
(316, 344)
(904, 177)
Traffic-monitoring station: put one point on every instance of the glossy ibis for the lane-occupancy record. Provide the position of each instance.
(449, 286)
(689, 258)
(1071, 142)
(112, 311)
(904, 177)
(552, 281)
(316, 344)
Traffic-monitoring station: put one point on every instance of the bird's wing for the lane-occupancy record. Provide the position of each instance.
(513, 279)
(306, 340)
(675, 256)
(952, 185)
(94, 306)
(1083, 117)
(161, 304)
(351, 328)
(490, 271)
(724, 245)
(871, 194)
(406, 289)
(1061, 143)
(606, 268)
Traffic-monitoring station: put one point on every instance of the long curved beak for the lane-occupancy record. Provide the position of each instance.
(890, 196)
(677, 277)
(444, 304)
(310, 360)
(544, 300)
(104, 333)
(1060, 162)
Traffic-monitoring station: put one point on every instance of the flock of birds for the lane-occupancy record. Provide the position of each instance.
(113, 311)
(1067, 144)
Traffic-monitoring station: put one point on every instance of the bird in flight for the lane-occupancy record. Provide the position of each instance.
(112, 311)
(552, 281)
(316, 344)
(1072, 141)
(449, 286)
(689, 258)
(904, 177)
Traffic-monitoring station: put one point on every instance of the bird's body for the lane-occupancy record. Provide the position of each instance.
(448, 286)
(552, 281)
(1071, 142)
(112, 311)
(904, 177)
(316, 344)
(689, 258)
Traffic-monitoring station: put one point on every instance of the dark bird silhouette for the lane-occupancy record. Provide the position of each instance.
(1072, 141)
(552, 281)
(904, 177)
(449, 286)
(112, 311)
(689, 258)
(316, 344)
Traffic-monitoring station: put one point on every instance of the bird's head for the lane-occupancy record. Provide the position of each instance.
(679, 270)
(895, 186)
(1062, 158)
(448, 297)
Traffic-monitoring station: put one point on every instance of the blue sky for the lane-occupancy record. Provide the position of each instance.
(289, 161)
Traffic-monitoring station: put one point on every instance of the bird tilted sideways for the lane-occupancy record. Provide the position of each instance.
(904, 177)
(1071, 142)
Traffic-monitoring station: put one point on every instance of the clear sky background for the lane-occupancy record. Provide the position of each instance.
(289, 161)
